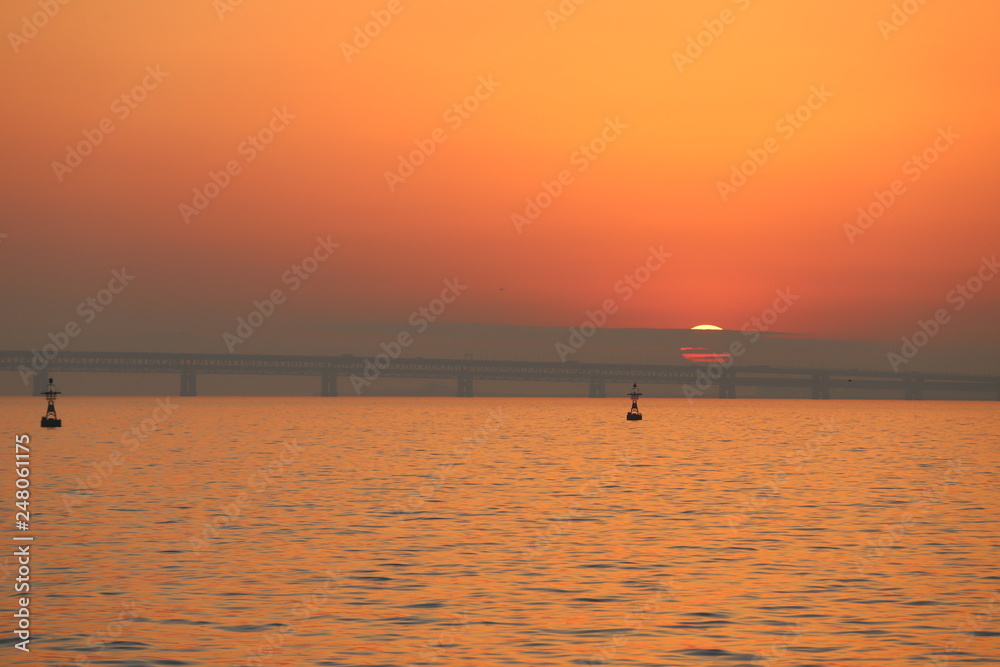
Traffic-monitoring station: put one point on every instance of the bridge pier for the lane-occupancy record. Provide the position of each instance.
(913, 389)
(727, 385)
(821, 387)
(189, 384)
(38, 383)
(597, 389)
(465, 387)
(727, 390)
(328, 385)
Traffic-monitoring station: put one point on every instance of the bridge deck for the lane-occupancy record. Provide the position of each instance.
(466, 370)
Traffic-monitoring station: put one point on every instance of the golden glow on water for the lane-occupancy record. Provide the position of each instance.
(513, 531)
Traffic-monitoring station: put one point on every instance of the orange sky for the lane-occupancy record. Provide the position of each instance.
(656, 184)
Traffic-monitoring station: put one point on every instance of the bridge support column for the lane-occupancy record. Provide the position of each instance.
(189, 384)
(913, 389)
(597, 389)
(328, 385)
(38, 383)
(821, 387)
(465, 387)
(727, 385)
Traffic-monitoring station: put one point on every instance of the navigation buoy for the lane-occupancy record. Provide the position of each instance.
(50, 420)
(634, 414)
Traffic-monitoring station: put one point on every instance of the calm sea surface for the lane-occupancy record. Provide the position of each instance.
(485, 531)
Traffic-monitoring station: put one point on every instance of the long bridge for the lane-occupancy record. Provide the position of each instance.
(697, 379)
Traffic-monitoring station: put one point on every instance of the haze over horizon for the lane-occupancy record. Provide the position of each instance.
(178, 167)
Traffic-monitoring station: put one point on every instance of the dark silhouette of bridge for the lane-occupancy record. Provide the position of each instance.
(698, 380)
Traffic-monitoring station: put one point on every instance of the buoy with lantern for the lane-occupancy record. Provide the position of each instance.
(634, 414)
(50, 420)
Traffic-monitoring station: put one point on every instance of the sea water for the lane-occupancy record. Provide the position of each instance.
(506, 531)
